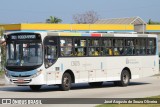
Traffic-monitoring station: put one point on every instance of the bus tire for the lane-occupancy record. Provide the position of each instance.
(95, 84)
(66, 82)
(125, 79)
(35, 87)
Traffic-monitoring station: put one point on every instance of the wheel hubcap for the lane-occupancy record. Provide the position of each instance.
(125, 78)
(66, 82)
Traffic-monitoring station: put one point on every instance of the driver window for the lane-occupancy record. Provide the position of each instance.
(50, 51)
(50, 55)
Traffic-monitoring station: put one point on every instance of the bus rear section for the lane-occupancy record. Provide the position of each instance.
(117, 58)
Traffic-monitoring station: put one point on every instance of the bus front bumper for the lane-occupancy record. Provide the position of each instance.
(39, 80)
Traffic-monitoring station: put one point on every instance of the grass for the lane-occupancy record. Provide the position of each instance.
(154, 96)
(131, 105)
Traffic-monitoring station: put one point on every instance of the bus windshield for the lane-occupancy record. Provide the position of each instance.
(24, 54)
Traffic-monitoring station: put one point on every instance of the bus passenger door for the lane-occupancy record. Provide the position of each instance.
(81, 75)
(50, 57)
(81, 71)
(91, 70)
(101, 75)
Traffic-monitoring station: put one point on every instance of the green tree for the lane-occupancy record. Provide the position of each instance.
(150, 22)
(2, 49)
(1, 31)
(53, 19)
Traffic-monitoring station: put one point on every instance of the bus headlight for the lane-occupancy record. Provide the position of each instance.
(38, 73)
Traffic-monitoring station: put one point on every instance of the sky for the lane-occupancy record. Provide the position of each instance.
(30, 11)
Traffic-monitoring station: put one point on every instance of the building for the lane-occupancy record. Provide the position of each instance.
(137, 22)
(68, 27)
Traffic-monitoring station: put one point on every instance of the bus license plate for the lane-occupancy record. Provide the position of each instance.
(20, 80)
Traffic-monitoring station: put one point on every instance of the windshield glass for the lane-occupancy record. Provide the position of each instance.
(24, 54)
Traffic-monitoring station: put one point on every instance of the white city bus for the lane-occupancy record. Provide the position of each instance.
(63, 58)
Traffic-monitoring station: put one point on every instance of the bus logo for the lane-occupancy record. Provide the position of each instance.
(75, 63)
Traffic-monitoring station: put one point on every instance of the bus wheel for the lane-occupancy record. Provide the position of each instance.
(35, 87)
(95, 84)
(66, 82)
(125, 79)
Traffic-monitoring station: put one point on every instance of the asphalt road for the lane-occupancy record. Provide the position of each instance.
(138, 88)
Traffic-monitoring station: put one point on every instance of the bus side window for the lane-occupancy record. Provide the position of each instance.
(110, 51)
(80, 52)
(121, 51)
(130, 47)
(143, 46)
(151, 46)
(80, 47)
(66, 46)
(118, 46)
(94, 47)
(116, 52)
(97, 52)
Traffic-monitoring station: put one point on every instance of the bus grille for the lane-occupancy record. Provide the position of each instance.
(20, 81)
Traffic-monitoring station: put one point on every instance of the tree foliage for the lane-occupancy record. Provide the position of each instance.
(2, 49)
(150, 22)
(1, 31)
(88, 17)
(53, 19)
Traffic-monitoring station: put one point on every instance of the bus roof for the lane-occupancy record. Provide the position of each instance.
(88, 34)
(99, 34)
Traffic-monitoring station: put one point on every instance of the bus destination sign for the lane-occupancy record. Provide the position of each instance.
(24, 36)
(15, 37)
